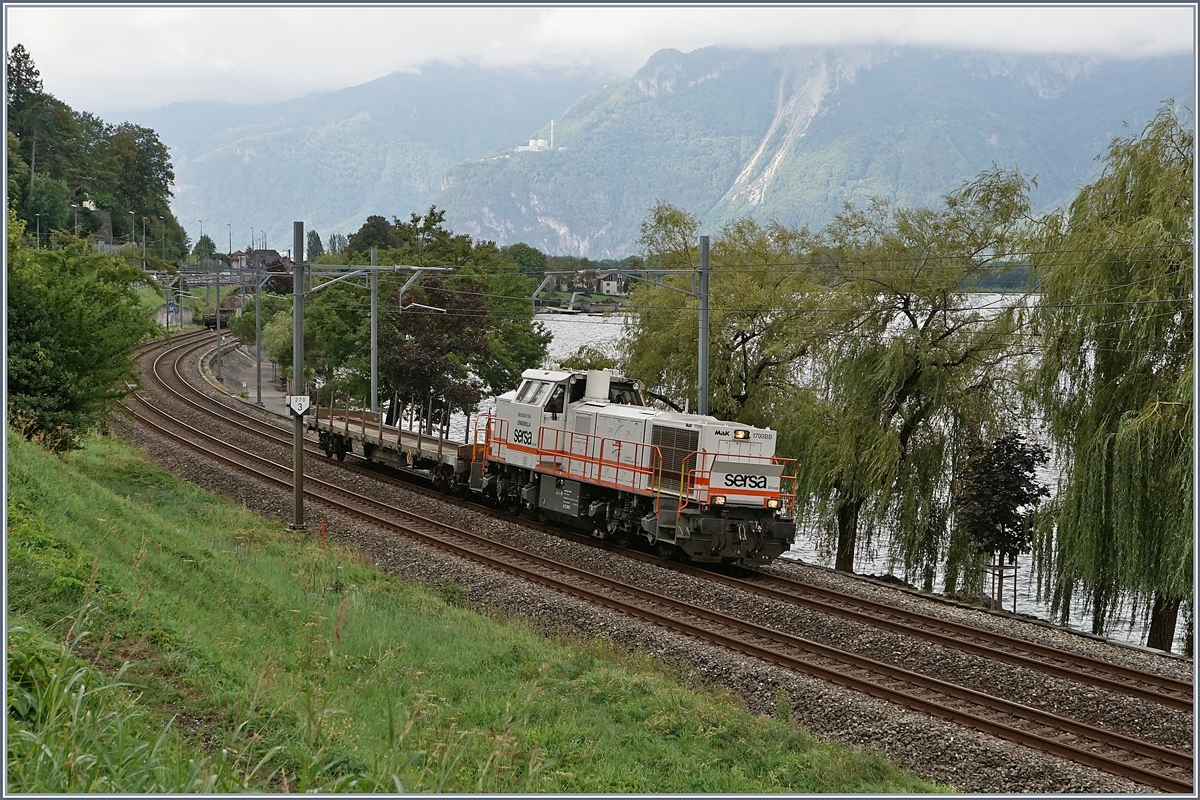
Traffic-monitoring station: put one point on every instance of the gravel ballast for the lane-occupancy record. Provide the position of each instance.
(965, 759)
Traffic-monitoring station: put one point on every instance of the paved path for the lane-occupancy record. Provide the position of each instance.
(239, 379)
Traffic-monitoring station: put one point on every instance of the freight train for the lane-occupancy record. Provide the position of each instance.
(583, 449)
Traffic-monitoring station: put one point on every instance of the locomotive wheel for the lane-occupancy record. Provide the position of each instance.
(341, 455)
(665, 550)
(621, 537)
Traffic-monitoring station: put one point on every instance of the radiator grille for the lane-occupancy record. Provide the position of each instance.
(675, 444)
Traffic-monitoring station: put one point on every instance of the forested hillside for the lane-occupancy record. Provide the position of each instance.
(64, 165)
(793, 135)
(332, 159)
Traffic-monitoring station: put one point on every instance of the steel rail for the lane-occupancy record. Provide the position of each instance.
(913, 697)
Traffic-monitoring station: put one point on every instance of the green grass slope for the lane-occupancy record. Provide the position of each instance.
(163, 639)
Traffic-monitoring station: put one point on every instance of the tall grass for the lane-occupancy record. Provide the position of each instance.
(240, 656)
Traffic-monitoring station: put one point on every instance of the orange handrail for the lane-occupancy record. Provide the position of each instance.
(571, 456)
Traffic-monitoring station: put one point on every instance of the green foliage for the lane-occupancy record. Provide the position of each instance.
(905, 368)
(270, 305)
(73, 321)
(756, 317)
(313, 248)
(529, 260)
(591, 357)
(421, 241)
(1115, 378)
(47, 202)
(18, 173)
(72, 730)
(452, 336)
(205, 248)
(859, 343)
(337, 243)
(275, 663)
(24, 82)
(995, 492)
(67, 157)
(376, 233)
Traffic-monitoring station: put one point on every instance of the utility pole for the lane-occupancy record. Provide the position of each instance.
(374, 330)
(702, 383)
(298, 375)
(219, 378)
(258, 336)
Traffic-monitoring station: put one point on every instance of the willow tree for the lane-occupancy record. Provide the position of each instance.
(912, 371)
(1115, 381)
(758, 320)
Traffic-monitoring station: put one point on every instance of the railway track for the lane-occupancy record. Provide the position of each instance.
(1140, 761)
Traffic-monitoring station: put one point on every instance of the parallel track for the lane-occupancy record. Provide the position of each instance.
(1143, 762)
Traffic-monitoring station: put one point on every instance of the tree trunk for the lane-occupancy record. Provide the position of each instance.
(1162, 622)
(847, 521)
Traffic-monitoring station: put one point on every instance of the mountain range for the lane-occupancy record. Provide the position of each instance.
(790, 135)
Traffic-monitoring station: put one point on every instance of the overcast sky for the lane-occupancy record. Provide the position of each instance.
(107, 59)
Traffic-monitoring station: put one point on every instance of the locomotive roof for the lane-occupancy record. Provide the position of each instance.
(563, 374)
(546, 374)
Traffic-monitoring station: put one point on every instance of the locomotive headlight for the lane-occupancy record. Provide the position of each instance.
(773, 502)
(742, 434)
(718, 499)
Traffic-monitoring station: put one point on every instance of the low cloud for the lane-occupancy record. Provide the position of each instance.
(106, 58)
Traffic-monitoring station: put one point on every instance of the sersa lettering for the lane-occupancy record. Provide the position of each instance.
(739, 481)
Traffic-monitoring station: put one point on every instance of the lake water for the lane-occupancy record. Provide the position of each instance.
(604, 332)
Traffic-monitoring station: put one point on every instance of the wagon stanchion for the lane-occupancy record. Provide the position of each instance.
(441, 429)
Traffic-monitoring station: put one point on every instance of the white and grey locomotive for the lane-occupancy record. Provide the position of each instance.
(584, 449)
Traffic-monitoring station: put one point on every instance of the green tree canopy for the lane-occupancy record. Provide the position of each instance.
(859, 343)
(313, 246)
(906, 367)
(996, 491)
(73, 321)
(205, 247)
(529, 260)
(1114, 382)
(24, 81)
(459, 336)
(72, 158)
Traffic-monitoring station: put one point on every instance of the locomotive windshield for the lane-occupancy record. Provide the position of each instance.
(534, 392)
(626, 394)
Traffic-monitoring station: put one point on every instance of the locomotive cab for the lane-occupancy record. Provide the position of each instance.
(585, 450)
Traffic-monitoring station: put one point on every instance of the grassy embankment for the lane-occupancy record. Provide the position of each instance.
(286, 664)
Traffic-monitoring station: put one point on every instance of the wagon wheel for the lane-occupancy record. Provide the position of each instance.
(621, 537)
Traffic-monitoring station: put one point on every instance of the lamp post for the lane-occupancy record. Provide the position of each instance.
(133, 228)
(76, 207)
(164, 235)
(143, 244)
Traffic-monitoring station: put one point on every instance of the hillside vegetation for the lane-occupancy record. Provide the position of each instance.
(334, 158)
(793, 135)
(259, 659)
